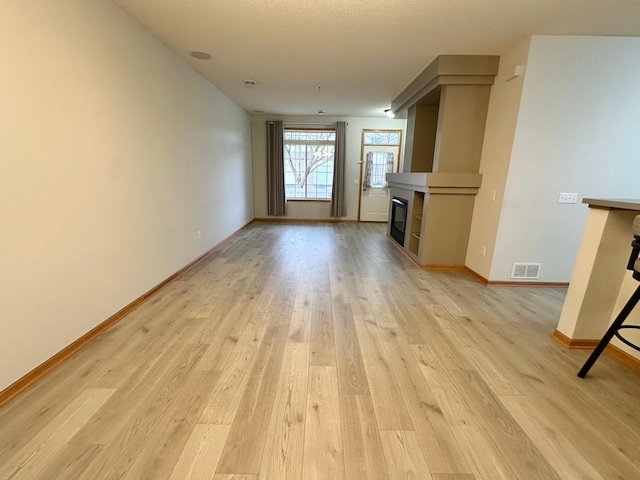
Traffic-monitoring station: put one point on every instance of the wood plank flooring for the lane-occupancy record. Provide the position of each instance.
(317, 351)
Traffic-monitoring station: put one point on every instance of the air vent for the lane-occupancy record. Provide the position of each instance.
(526, 270)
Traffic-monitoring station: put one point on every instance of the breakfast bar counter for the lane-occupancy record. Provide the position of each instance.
(600, 284)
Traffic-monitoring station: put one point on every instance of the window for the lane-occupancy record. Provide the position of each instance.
(381, 151)
(381, 138)
(308, 163)
(377, 167)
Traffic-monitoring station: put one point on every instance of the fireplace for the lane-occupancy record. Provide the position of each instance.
(398, 219)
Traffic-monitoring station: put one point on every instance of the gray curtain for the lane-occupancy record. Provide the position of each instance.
(368, 171)
(389, 168)
(275, 169)
(338, 204)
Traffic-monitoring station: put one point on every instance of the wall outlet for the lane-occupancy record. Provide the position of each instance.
(568, 198)
(483, 251)
(199, 234)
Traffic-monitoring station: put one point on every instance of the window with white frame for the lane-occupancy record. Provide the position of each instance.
(308, 163)
(378, 164)
(381, 138)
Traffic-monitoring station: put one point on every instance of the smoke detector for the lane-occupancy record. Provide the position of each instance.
(249, 83)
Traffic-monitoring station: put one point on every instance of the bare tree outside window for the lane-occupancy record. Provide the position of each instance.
(308, 163)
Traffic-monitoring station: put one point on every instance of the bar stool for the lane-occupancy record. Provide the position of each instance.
(616, 326)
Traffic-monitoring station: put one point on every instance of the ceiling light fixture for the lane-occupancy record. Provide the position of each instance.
(389, 113)
(249, 83)
(321, 112)
(201, 55)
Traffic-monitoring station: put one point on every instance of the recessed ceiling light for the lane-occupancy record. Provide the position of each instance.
(248, 82)
(318, 87)
(201, 55)
(321, 112)
(389, 113)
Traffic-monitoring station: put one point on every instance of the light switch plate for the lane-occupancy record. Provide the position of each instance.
(568, 198)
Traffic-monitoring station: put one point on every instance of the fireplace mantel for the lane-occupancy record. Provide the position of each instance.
(435, 182)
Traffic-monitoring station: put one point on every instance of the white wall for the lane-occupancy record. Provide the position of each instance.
(502, 117)
(315, 210)
(577, 131)
(113, 153)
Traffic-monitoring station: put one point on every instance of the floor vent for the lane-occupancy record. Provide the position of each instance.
(526, 270)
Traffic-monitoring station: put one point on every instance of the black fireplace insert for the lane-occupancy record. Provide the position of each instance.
(398, 219)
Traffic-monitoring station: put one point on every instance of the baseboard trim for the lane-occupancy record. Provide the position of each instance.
(589, 344)
(430, 266)
(528, 284)
(574, 343)
(623, 357)
(409, 256)
(35, 375)
(504, 283)
(304, 220)
(476, 275)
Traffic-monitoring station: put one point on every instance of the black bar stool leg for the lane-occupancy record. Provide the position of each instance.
(617, 323)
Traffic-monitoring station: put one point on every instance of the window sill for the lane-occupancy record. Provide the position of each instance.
(308, 200)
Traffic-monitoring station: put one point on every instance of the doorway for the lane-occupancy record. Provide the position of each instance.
(380, 155)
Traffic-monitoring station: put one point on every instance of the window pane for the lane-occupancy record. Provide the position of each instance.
(310, 136)
(394, 138)
(308, 163)
(382, 138)
(379, 168)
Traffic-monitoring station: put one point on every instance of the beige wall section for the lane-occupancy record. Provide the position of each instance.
(424, 141)
(114, 154)
(504, 104)
(598, 275)
(600, 286)
(451, 215)
(607, 275)
(460, 128)
(315, 210)
(577, 131)
(582, 274)
(587, 253)
(409, 140)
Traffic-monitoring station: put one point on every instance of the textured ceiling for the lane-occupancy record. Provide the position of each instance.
(362, 54)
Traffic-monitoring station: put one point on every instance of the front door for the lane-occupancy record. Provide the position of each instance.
(377, 160)
(374, 194)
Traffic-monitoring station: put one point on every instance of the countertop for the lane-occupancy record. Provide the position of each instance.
(619, 203)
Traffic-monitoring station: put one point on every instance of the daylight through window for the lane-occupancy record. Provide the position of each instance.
(308, 163)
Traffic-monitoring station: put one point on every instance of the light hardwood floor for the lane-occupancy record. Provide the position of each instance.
(318, 351)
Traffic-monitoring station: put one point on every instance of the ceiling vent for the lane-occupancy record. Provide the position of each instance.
(529, 271)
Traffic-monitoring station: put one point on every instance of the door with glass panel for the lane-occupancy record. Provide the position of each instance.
(380, 155)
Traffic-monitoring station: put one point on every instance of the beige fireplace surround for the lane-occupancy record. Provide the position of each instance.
(446, 109)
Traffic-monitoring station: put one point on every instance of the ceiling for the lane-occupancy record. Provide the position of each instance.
(361, 54)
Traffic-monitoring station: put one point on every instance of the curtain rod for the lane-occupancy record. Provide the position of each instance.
(306, 123)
